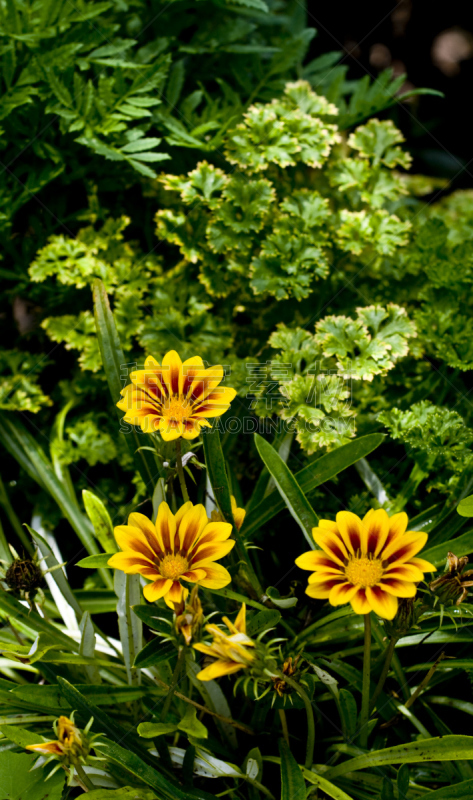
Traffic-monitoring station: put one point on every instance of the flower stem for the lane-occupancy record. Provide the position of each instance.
(310, 717)
(84, 778)
(180, 471)
(382, 678)
(173, 684)
(365, 698)
(285, 730)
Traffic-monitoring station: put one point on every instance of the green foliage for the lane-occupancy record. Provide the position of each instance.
(19, 376)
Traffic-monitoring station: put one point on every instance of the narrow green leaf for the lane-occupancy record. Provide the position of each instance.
(348, 714)
(214, 699)
(315, 474)
(328, 788)
(57, 574)
(18, 782)
(100, 519)
(149, 730)
(127, 589)
(268, 618)
(30, 456)
(457, 791)
(113, 360)
(292, 780)
(153, 653)
(240, 598)
(446, 748)
(95, 562)
(87, 646)
(33, 621)
(288, 488)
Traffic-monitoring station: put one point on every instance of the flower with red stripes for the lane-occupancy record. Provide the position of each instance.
(368, 562)
(175, 398)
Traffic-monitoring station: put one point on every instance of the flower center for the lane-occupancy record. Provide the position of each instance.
(173, 566)
(177, 408)
(364, 571)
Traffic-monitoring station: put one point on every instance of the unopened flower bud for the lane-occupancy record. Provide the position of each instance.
(452, 587)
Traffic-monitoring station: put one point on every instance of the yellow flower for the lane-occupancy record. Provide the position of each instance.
(238, 514)
(189, 616)
(229, 650)
(368, 563)
(70, 742)
(178, 547)
(175, 398)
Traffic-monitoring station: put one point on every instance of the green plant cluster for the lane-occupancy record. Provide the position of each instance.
(283, 237)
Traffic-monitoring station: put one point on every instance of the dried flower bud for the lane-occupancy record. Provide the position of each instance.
(290, 669)
(23, 575)
(452, 586)
(189, 617)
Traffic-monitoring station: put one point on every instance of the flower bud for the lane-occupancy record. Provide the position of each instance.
(452, 587)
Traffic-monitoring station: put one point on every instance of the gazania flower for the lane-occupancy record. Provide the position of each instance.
(70, 744)
(368, 563)
(175, 398)
(178, 547)
(239, 514)
(230, 651)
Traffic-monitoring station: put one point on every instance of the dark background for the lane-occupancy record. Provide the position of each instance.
(433, 45)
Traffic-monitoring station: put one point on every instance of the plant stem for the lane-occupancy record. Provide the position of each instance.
(285, 730)
(259, 786)
(84, 778)
(180, 471)
(387, 663)
(365, 698)
(173, 684)
(310, 717)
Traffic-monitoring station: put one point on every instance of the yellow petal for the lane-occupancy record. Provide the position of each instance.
(359, 602)
(332, 544)
(130, 538)
(374, 532)
(192, 526)
(349, 526)
(422, 564)
(315, 560)
(240, 622)
(153, 591)
(403, 548)
(342, 593)
(166, 527)
(211, 552)
(383, 604)
(217, 669)
(129, 562)
(216, 577)
(398, 588)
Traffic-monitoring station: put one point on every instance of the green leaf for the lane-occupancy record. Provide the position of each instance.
(100, 519)
(30, 456)
(456, 791)
(465, 508)
(191, 726)
(95, 562)
(288, 488)
(16, 780)
(113, 359)
(315, 474)
(21, 736)
(240, 598)
(44, 697)
(154, 653)
(282, 602)
(150, 730)
(33, 621)
(328, 788)
(214, 699)
(215, 463)
(461, 546)
(292, 780)
(128, 591)
(125, 793)
(446, 748)
(348, 714)
(57, 574)
(262, 621)
(126, 759)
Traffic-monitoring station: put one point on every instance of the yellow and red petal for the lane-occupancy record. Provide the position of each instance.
(316, 560)
(216, 577)
(129, 538)
(398, 588)
(129, 562)
(166, 527)
(374, 532)
(405, 572)
(349, 526)
(193, 575)
(215, 532)
(192, 429)
(331, 544)
(403, 548)
(154, 591)
(328, 524)
(342, 593)
(192, 369)
(211, 552)
(205, 383)
(383, 604)
(181, 512)
(360, 603)
(397, 527)
(172, 372)
(422, 564)
(326, 575)
(321, 591)
(191, 527)
(48, 748)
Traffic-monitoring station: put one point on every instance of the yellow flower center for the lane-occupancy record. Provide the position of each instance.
(364, 571)
(177, 408)
(173, 566)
